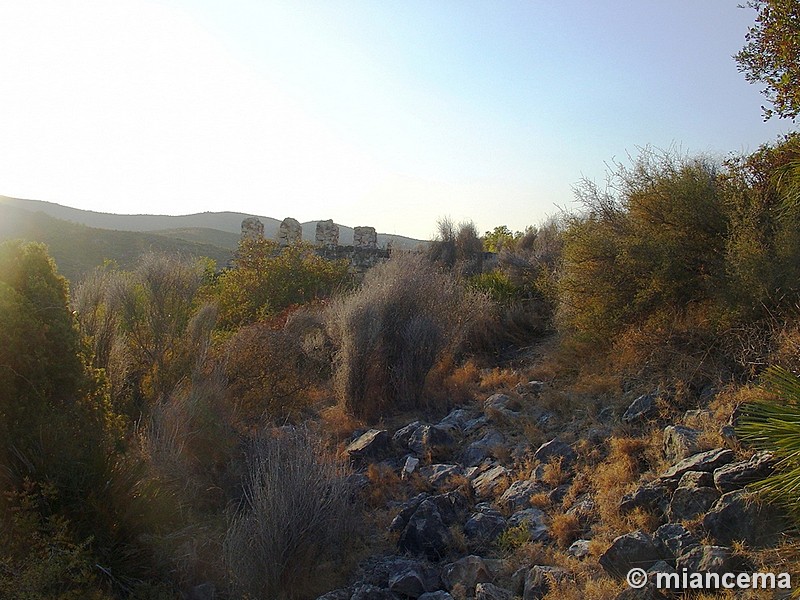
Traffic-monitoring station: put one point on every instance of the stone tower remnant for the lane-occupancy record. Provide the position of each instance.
(252, 229)
(290, 232)
(365, 238)
(327, 234)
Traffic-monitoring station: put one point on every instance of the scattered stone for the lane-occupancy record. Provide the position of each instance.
(474, 424)
(635, 549)
(641, 409)
(406, 511)
(489, 591)
(688, 502)
(535, 520)
(584, 509)
(488, 483)
(680, 442)
(734, 476)
(371, 446)
(554, 450)
(579, 548)
(547, 421)
(411, 464)
(702, 461)
(467, 572)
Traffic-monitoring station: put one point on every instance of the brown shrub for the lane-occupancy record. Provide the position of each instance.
(296, 513)
(390, 333)
(274, 367)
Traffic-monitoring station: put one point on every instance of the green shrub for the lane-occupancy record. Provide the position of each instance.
(393, 329)
(266, 279)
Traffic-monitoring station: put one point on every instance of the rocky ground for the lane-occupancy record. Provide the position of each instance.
(476, 506)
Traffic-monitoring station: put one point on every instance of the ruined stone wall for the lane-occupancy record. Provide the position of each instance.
(362, 255)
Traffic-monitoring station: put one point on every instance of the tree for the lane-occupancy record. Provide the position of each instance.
(771, 55)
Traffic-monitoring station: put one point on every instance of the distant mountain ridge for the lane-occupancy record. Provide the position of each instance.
(227, 221)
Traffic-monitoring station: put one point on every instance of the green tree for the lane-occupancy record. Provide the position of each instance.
(499, 238)
(771, 55)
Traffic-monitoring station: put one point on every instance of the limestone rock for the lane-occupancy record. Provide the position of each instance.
(535, 520)
(489, 591)
(702, 461)
(426, 534)
(736, 516)
(431, 442)
(676, 538)
(467, 572)
(734, 476)
(555, 450)
(679, 442)
(488, 483)
(644, 407)
(518, 495)
(688, 502)
(539, 579)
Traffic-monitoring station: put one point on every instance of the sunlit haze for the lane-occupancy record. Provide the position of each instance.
(384, 113)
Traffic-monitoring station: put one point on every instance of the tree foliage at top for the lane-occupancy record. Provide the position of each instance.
(771, 55)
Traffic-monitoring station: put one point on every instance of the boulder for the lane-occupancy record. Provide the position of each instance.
(455, 421)
(679, 442)
(519, 493)
(430, 442)
(467, 572)
(688, 502)
(696, 479)
(738, 516)
(676, 539)
(426, 533)
(483, 528)
(406, 510)
(488, 483)
(489, 591)
(644, 407)
(371, 446)
(708, 461)
(637, 549)
(482, 449)
(556, 450)
(709, 559)
(737, 475)
(535, 520)
(652, 496)
(415, 579)
(439, 474)
(402, 436)
(411, 464)
(539, 579)
(579, 548)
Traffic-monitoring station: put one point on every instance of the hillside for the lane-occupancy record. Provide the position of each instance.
(77, 248)
(206, 227)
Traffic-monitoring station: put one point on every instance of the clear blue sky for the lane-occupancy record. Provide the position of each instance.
(383, 113)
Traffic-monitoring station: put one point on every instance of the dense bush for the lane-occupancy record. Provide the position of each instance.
(458, 249)
(393, 329)
(267, 279)
(273, 367)
(684, 254)
(296, 513)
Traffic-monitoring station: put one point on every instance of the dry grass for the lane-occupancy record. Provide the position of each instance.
(385, 484)
(565, 529)
(499, 379)
(295, 514)
(555, 474)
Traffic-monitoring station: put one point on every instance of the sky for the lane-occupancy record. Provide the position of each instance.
(389, 113)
